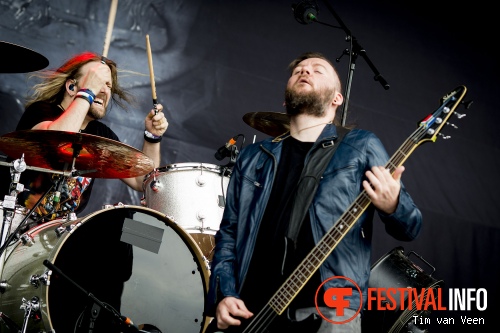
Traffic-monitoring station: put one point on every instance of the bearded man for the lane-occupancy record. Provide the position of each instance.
(283, 197)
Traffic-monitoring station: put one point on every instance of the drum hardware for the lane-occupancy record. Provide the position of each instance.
(156, 185)
(36, 279)
(4, 286)
(9, 203)
(31, 310)
(15, 234)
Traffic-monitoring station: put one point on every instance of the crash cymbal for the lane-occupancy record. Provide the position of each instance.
(98, 158)
(19, 59)
(271, 123)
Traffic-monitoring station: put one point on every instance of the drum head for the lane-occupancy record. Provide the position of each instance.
(121, 261)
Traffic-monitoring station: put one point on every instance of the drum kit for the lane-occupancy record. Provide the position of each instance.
(123, 268)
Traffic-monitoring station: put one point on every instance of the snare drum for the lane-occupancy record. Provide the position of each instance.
(132, 259)
(191, 194)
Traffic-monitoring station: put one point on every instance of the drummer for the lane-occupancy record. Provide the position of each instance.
(74, 98)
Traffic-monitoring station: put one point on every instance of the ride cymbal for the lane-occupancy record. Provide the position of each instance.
(270, 123)
(98, 157)
(19, 59)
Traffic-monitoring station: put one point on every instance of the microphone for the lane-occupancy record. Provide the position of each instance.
(130, 324)
(305, 11)
(225, 151)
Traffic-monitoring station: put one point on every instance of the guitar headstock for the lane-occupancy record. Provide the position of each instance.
(430, 127)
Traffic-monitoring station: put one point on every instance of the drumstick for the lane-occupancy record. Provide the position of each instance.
(151, 73)
(111, 22)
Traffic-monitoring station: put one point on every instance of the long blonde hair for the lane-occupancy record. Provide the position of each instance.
(52, 87)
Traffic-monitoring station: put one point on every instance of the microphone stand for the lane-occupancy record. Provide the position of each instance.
(355, 50)
(98, 305)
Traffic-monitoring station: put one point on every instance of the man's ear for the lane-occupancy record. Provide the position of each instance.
(338, 99)
(70, 85)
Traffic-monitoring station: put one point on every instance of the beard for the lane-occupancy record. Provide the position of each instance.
(96, 114)
(311, 103)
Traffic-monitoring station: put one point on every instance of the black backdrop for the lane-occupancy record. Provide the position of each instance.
(217, 60)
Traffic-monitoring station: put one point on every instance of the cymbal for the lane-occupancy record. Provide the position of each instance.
(271, 123)
(19, 59)
(98, 158)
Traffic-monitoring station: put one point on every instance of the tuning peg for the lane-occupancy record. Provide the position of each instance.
(467, 104)
(452, 125)
(460, 115)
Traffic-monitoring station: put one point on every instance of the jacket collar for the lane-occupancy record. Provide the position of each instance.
(329, 133)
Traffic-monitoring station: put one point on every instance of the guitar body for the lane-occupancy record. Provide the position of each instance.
(310, 325)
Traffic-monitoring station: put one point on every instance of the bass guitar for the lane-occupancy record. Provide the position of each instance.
(427, 130)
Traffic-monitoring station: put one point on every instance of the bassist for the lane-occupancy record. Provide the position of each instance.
(280, 204)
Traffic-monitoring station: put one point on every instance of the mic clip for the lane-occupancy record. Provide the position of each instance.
(305, 12)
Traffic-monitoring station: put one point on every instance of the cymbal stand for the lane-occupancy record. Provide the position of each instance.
(9, 204)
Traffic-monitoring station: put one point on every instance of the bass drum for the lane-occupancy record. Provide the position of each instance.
(395, 270)
(193, 195)
(120, 261)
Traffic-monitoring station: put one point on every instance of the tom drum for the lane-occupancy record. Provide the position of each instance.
(191, 194)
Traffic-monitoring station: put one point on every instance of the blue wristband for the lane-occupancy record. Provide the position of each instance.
(86, 94)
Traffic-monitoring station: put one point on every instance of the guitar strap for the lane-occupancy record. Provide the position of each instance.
(309, 182)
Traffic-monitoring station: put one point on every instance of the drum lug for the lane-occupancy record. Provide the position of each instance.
(27, 239)
(156, 185)
(201, 180)
(31, 310)
(60, 230)
(201, 216)
(4, 285)
(36, 279)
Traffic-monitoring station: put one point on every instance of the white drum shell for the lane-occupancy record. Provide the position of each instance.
(191, 194)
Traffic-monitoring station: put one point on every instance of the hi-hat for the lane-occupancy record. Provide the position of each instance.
(98, 157)
(270, 123)
(19, 59)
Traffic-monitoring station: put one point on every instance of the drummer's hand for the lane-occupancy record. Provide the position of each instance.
(228, 310)
(96, 77)
(156, 124)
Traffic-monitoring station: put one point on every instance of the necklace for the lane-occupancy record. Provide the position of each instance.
(288, 134)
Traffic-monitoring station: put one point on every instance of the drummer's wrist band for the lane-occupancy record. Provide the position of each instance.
(150, 137)
(86, 94)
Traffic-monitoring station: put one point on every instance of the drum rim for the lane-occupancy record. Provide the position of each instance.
(186, 166)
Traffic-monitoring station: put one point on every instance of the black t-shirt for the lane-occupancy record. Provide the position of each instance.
(75, 191)
(266, 272)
